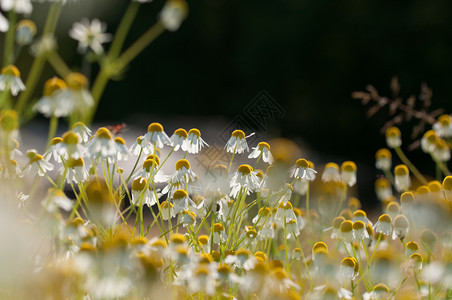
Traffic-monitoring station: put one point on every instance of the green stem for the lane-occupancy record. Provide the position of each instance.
(39, 61)
(410, 165)
(53, 126)
(58, 64)
(9, 39)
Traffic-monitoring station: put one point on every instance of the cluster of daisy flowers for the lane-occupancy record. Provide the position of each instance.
(289, 231)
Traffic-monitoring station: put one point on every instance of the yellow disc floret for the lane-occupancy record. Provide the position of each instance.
(262, 145)
(181, 132)
(103, 133)
(348, 166)
(217, 227)
(55, 141)
(139, 184)
(401, 170)
(180, 194)
(195, 131)
(383, 153)
(447, 183)
(72, 163)
(155, 127)
(238, 134)
(120, 140)
(245, 169)
(182, 163)
(393, 132)
(302, 163)
(70, 137)
(346, 226)
(444, 120)
(52, 85)
(76, 81)
(385, 218)
(357, 225)
(11, 70)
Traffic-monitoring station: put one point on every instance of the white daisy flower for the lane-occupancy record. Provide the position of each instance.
(348, 173)
(393, 137)
(237, 143)
(138, 147)
(195, 142)
(383, 159)
(101, 146)
(245, 178)
(140, 196)
(156, 136)
(53, 150)
(384, 225)
(262, 150)
(331, 173)
(443, 126)
(19, 6)
(37, 164)
(181, 201)
(4, 23)
(56, 199)
(179, 139)
(167, 210)
(401, 226)
(151, 170)
(360, 231)
(25, 32)
(10, 80)
(303, 169)
(182, 176)
(54, 101)
(70, 146)
(83, 132)
(77, 91)
(90, 34)
(173, 13)
(122, 153)
(402, 178)
(76, 170)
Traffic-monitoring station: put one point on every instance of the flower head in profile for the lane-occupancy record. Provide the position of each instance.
(77, 91)
(245, 178)
(237, 142)
(195, 142)
(102, 146)
(37, 164)
(173, 13)
(90, 35)
(303, 169)
(10, 80)
(331, 172)
(393, 137)
(54, 102)
(156, 136)
(443, 126)
(262, 150)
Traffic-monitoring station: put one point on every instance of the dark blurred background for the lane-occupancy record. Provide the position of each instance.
(309, 56)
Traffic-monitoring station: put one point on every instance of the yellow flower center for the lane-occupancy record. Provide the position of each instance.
(155, 127)
(338, 221)
(120, 140)
(263, 145)
(203, 239)
(166, 204)
(72, 163)
(332, 165)
(9, 120)
(238, 134)
(401, 221)
(385, 218)
(382, 183)
(36, 158)
(434, 186)
(148, 163)
(348, 262)
(154, 157)
(285, 205)
(431, 136)
(393, 132)
(103, 133)
(444, 120)
(245, 169)
(423, 190)
(383, 153)
(178, 238)
(182, 163)
(318, 246)
(413, 246)
(11, 70)
(70, 138)
(346, 226)
(55, 141)
(348, 166)
(401, 170)
(447, 183)
(302, 163)
(195, 131)
(217, 227)
(139, 184)
(52, 85)
(407, 197)
(181, 132)
(381, 287)
(358, 225)
(76, 81)
(180, 194)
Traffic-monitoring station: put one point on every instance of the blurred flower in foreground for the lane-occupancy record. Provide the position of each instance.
(90, 34)
(173, 13)
(10, 80)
